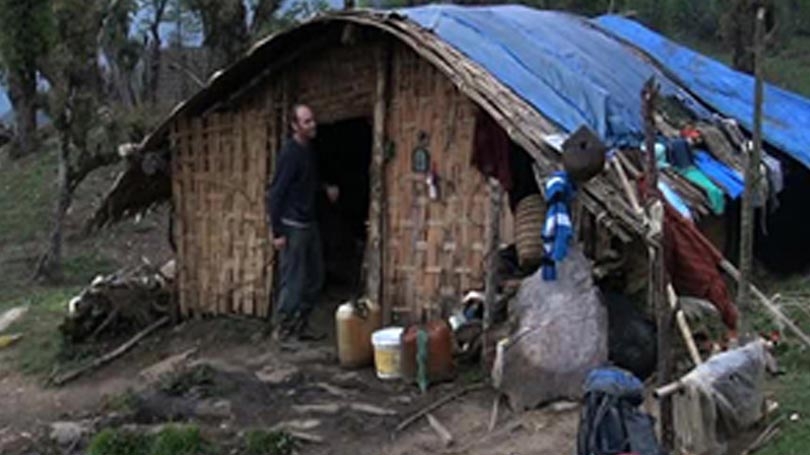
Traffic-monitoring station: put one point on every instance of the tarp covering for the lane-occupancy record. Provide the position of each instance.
(572, 72)
(786, 115)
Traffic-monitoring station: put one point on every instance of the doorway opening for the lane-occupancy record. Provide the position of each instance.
(344, 157)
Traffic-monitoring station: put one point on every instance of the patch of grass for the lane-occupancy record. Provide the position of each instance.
(124, 402)
(178, 440)
(201, 378)
(792, 390)
(117, 442)
(261, 442)
(28, 193)
(41, 348)
(171, 440)
(83, 268)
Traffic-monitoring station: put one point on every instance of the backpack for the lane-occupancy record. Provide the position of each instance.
(611, 422)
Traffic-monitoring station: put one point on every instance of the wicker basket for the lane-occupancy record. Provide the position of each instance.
(529, 217)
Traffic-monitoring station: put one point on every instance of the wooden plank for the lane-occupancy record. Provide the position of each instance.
(493, 241)
(214, 288)
(376, 246)
(197, 305)
(178, 198)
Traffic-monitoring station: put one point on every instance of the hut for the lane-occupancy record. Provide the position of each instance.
(400, 98)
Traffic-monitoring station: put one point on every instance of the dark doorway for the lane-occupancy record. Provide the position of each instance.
(344, 156)
(783, 246)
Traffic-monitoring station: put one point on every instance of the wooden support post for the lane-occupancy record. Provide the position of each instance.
(753, 156)
(686, 332)
(375, 245)
(657, 274)
(493, 241)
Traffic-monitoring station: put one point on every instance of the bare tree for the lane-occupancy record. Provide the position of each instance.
(84, 126)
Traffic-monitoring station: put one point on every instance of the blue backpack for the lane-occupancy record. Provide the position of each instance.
(611, 422)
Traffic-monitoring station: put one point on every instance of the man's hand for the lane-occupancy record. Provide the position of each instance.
(279, 243)
(332, 192)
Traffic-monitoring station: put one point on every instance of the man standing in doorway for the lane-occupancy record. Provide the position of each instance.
(291, 203)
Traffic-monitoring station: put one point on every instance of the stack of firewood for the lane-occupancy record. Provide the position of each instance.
(120, 304)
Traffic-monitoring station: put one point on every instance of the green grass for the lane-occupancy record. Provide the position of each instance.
(790, 67)
(171, 440)
(116, 442)
(41, 349)
(27, 188)
(787, 67)
(792, 390)
(82, 268)
(178, 440)
(261, 442)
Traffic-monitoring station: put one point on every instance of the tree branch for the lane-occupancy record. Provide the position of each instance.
(87, 164)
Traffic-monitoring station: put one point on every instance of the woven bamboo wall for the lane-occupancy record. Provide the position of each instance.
(435, 249)
(337, 82)
(222, 162)
(219, 166)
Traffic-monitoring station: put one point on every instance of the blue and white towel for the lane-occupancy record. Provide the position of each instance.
(557, 230)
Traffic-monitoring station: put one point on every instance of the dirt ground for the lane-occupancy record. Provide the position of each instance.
(226, 376)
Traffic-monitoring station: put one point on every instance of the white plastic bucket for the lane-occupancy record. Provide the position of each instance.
(387, 352)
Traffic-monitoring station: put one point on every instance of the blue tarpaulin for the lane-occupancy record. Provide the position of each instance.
(786, 115)
(570, 71)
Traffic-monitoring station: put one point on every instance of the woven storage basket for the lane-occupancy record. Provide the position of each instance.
(529, 217)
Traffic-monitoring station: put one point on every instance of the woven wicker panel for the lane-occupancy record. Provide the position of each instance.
(435, 248)
(219, 171)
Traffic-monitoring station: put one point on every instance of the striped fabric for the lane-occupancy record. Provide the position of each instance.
(557, 230)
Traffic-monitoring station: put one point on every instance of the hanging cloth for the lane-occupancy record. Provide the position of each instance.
(725, 177)
(557, 229)
(491, 147)
(693, 265)
(717, 200)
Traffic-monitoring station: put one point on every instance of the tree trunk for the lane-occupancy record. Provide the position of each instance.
(751, 181)
(23, 97)
(50, 264)
(741, 35)
(154, 51)
(262, 16)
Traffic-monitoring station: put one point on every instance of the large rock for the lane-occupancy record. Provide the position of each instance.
(561, 334)
(167, 366)
(11, 316)
(67, 433)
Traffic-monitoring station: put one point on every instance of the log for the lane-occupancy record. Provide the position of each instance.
(306, 437)
(493, 418)
(667, 390)
(118, 352)
(626, 186)
(491, 284)
(441, 430)
(438, 404)
(371, 409)
(774, 310)
(686, 332)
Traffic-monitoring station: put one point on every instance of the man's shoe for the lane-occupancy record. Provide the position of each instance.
(306, 334)
(281, 334)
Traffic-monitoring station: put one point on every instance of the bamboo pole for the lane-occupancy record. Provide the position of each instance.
(657, 275)
(753, 156)
(496, 203)
(376, 245)
(686, 332)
